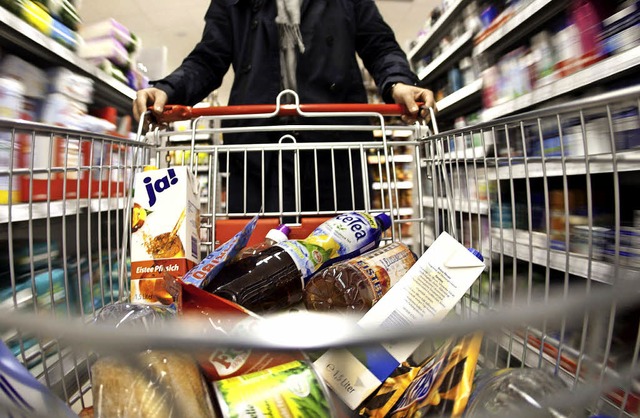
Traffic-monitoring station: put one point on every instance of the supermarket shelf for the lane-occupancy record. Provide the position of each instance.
(437, 67)
(459, 98)
(515, 27)
(539, 253)
(27, 39)
(400, 185)
(628, 160)
(44, 210)
(437, 30)
(607, 68)
(469, 206)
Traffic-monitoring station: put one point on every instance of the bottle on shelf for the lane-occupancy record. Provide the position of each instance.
(273, 237)
(275, 278)
(355, 285)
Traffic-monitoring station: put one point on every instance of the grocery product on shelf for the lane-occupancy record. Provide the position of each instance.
(11, 98)
(168, 241)
(33, 78)
(275, 278)
(71, 84)
(429, 290)
(355, 285)
(289, 390)
(39, 17)
(112, 47)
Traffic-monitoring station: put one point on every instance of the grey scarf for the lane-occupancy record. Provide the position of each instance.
(288, 21)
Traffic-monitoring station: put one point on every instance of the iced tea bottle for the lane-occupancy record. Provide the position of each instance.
(355, 285)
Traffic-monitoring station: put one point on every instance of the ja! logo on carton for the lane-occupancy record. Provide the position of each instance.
(165, 231)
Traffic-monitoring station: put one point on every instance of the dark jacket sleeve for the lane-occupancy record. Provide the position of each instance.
(380, 52)
(203, 69)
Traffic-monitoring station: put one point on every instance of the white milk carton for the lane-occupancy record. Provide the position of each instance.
(430, 289)
(165, 236)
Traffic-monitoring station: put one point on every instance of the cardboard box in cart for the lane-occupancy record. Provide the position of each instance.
(165, 236)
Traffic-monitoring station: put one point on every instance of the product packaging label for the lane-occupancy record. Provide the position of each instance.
(289, 390)
(224, 316)
(346, 235)
(384, 266)
(308, 257)
(442, 387)
(429, 290)
(165, 231)
(202, 274)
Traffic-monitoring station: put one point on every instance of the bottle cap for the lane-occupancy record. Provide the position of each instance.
(476, 253)
(279, 234)
(385, 220)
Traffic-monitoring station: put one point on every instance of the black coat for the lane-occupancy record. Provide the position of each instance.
(243, 34)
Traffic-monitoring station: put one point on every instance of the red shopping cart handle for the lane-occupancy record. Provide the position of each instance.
(173, 113)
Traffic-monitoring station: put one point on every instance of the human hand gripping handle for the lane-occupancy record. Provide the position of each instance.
(410, 96)
(149, 97)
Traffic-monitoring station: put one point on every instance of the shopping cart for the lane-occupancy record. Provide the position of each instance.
(558, 292)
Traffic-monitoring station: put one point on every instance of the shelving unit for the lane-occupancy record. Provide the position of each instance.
(525, 19)
(515, 27)
(436, 68)
(437, 30)
(474, 161)
(466, 97)
(55, 209)
(17, 35)
(615, 66)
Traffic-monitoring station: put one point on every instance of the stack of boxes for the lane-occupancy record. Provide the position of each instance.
(113, 48)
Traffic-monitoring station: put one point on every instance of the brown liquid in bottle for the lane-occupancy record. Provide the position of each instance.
(267, 281)
(355, 285)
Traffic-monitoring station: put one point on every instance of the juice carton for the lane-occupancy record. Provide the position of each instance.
(165, 223)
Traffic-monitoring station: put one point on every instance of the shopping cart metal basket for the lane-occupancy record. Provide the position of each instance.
(546, 196)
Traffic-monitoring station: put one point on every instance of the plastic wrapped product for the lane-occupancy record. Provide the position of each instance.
(289, 390)
(148, 384)
(510, 392)
(128, 314)
(163, 385)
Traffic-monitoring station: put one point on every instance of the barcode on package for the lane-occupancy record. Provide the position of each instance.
(395, 319)
(194, 247)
